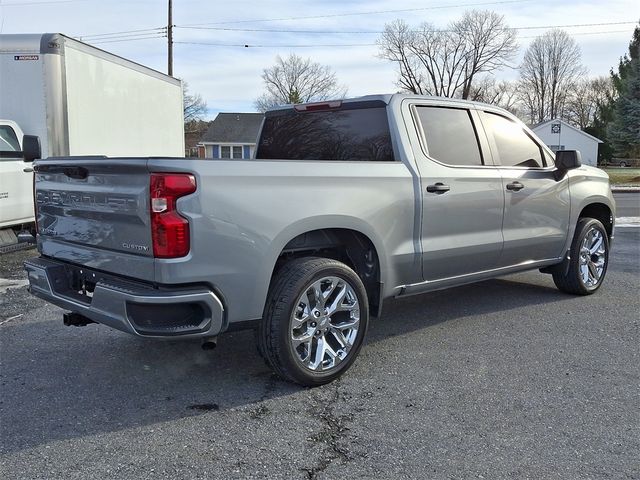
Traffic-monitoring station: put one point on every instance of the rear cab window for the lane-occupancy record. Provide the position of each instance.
(350, 131)
(449, 135)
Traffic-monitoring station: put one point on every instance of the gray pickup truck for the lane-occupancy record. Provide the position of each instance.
(347, 203)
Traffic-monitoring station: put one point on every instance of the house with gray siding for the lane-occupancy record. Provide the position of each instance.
(231, 135)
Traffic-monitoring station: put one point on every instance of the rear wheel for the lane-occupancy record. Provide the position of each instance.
(589, 259)
(315, 321)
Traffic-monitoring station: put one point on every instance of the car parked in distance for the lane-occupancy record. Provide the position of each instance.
(623, 162)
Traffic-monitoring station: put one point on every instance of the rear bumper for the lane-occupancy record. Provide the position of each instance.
(128, 306)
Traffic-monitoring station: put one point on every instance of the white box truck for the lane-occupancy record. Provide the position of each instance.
(79, 100)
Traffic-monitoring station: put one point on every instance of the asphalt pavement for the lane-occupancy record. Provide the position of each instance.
(504, 378)
(627, 204)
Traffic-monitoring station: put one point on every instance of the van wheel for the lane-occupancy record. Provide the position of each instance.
(315, 321)
(589, 259)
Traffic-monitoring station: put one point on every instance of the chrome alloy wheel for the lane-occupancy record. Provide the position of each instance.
(592, 257)
(324, 323)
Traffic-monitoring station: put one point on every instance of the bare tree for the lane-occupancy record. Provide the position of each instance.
(586, 98)
(395, 45)
(602, 90)
(550, 68)
(442, 56)
(489, 44)
(297, 80)
(446, 62)
(579, 107)
(194, 107)
(503, 94)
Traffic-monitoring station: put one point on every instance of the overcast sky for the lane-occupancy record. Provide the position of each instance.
(228, 76)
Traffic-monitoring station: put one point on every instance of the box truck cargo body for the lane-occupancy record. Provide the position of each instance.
(81, 100)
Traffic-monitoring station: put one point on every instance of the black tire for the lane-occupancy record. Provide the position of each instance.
(274, 333)
(573, 282)
(623, 164)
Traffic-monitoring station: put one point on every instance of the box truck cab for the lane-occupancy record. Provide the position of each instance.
(16, 178)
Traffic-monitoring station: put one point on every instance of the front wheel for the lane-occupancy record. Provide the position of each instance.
(315, 321)
(589, 259)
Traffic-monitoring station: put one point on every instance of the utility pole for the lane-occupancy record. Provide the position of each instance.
(170, 40)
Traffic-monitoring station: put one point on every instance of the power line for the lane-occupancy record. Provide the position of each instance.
(377, 32)
(135, 36)
(576, 25)
(375, 12)
(586, 33)
(337, 45)
(149, 30)
(124, 36)
(127, 39)
(43, 2)
(107, 36)
(277, 46)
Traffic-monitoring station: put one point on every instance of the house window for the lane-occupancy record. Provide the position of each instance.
(231, 151)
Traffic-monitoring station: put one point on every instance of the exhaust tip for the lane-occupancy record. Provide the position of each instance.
(73, 319)
(209, 343)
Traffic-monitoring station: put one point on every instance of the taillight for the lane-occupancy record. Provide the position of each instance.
(169, 229)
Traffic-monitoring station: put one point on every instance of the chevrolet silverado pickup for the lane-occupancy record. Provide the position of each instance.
(345, 204)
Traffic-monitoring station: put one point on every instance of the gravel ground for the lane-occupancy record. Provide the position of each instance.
(14, 299)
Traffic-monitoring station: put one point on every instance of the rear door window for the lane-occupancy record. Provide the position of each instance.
(515, 147)
(355, 131)
(450, 135)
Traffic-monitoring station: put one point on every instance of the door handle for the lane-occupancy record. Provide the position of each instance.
(27, 170)
(515, 186)
(438, 188)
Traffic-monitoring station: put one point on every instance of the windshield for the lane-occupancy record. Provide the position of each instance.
(8, 140)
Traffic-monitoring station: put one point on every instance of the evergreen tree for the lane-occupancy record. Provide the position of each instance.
(624, 130)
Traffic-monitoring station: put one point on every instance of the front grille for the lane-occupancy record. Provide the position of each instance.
(168, 319)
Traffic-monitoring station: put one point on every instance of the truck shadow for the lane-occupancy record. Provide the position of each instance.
(61, 383)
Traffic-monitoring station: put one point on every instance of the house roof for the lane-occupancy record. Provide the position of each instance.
(234, 128)
(557, 120)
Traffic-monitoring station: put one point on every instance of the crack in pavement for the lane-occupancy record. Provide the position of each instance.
(332, 431)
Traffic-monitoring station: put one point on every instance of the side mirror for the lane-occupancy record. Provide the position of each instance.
(566, 160)
(31, 148)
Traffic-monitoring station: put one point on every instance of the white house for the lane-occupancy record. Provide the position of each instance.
(559, 135)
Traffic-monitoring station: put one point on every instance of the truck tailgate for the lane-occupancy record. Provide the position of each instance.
(95, 213)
